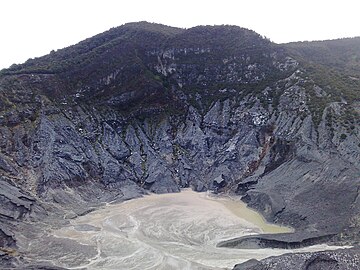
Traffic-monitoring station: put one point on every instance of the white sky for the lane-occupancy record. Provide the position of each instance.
(31, 28)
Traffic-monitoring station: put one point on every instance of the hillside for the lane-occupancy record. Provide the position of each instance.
(147, 107)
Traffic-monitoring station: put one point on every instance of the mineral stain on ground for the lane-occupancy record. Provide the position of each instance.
(170, 231)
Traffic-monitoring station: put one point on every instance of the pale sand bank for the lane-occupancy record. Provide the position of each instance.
(240, 209)
(170, 231)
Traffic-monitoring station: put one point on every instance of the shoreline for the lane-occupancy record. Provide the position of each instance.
(182, 229)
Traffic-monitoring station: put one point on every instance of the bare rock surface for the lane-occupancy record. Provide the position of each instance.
(339, 260)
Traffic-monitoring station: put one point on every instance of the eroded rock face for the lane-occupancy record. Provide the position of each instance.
(183, 109)
(284, 241)
(344, 260)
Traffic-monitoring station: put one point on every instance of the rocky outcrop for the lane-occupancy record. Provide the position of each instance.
(339, 259)
(283, 241)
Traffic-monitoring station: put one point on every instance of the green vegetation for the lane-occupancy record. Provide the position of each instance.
(117, 69)
(342, 55)
(118, 41)
(335, 67)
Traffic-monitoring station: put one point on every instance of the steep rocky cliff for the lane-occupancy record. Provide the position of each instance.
(146, 107)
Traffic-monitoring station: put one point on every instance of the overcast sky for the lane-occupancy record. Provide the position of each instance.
(31, 28)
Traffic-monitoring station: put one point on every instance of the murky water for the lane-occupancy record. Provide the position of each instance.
(170, 231)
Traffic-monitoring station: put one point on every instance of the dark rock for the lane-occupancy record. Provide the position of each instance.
(248, 264)
(14, 203)
(282, 241)
(347, 259)
(6, 238)
(321, 261)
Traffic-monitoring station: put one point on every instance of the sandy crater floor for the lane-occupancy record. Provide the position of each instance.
(170, 231)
